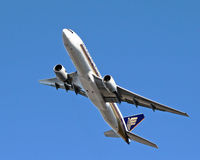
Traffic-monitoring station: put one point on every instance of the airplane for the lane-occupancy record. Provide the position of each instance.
(104, 93)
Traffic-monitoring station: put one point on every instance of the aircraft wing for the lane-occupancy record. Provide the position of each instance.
(132, 98)
(138, 100)
(73, 85)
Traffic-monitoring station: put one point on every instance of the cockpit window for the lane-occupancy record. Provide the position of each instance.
(71, 31)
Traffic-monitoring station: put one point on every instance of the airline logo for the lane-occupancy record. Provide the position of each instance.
(131, 122)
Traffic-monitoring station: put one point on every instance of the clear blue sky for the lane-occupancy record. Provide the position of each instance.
(151, 47)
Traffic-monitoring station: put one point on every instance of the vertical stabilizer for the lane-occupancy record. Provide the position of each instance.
(133, 121)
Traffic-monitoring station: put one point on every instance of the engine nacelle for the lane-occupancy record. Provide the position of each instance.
(60, 72)
(110, 84)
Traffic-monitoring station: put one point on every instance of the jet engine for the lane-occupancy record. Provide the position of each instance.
(110, 84)
(60, 72)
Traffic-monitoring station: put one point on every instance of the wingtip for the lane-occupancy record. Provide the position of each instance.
(156, 146)
(185, 114)
(41, 81)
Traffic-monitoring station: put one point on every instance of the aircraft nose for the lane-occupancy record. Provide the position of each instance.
(66, 34)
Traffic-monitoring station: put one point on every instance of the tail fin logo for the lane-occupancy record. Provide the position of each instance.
(133, 121)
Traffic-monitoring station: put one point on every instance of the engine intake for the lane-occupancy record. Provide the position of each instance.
(110, 84)
(60, 72)
(58, 67)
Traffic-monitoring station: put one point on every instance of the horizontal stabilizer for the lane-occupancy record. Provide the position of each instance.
(133, 121)
(140, 140)
(111, 133)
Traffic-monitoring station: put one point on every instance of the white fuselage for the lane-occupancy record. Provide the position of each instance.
(86, 69)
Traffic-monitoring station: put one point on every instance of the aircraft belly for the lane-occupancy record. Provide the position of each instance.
(109, 111)
(78, 59)
(96, 98)
(110, 117)
(91, 89)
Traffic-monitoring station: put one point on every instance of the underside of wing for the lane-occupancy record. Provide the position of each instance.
(138, 100)
(124, 95)
(74, 84)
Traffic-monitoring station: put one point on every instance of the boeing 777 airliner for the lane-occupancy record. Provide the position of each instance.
(102, 91)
